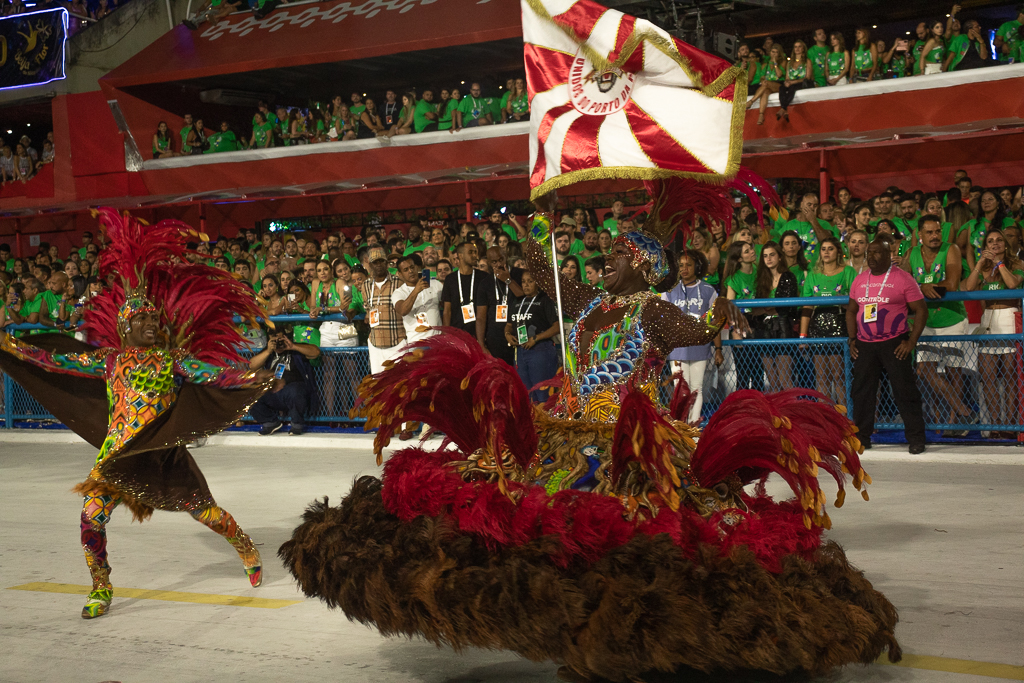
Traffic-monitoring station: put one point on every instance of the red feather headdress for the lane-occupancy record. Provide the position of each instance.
(197, 303)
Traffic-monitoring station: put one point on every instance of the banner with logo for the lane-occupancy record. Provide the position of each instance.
(32, 48)
(613, 96)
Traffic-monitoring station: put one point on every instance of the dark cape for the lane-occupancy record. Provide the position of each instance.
(155, 470)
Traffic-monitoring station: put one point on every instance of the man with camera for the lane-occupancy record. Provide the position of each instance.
(294, 389)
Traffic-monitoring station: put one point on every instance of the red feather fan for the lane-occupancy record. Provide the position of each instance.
(791, 433)
(197, 303)
(448, 382)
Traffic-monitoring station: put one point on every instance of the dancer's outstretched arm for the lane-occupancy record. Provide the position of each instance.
(87, 364)
(199, 372)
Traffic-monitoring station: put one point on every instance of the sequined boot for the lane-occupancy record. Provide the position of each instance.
(250, 555)
(102, 593)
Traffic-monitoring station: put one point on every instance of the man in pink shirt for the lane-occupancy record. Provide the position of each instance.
(882, 298)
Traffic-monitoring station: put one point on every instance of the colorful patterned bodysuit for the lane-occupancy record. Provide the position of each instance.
(142, 384)
(631, 350)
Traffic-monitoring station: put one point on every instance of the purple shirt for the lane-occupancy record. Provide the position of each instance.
(890, 293)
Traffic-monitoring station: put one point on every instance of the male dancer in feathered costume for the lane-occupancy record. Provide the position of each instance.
(162, 376)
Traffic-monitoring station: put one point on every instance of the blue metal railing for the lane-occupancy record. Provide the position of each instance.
(342, 368)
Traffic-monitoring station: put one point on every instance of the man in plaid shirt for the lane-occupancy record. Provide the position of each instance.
(387, 333)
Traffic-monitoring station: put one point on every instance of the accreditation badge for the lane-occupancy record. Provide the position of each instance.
(469, 313)
(374, 317)
(870, 313)
(501, 314)
(523, 336)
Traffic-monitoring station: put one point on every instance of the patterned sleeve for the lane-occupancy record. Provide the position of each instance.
(575, 295)
(199, 372)
(88, 364)
(669, 328)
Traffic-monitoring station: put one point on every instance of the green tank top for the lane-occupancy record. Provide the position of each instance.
(862, 59)
(797, 73)
(758, 74)
(835, 63)
(819, 284)
(998, 283)
(942, 313)
(935, 55)
(774, 72)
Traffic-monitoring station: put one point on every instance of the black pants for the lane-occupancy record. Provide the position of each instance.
(292, 399)
(498, 345)
(788, 92)
(872, 359)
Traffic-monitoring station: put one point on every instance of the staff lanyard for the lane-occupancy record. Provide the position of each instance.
(519, 315)
(373, 291)
(472, 280)
(497, 294)
(700, 299)
(867, 284)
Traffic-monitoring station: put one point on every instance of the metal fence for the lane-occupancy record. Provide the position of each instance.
(979, 376)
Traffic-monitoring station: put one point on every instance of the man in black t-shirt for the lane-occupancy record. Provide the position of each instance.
(464, 296)
(293, 390)
(504, 287)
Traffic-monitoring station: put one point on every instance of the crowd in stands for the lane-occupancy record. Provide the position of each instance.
(827, 59)
(406, 113)
(24, 161)
(473, 276)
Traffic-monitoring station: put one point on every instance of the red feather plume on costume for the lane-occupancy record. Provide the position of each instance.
(449, 383)
(677, 202)
(197, 303)
(791, 433)
(643, 435)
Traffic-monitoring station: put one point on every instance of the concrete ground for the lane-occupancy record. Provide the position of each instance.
(942, 537)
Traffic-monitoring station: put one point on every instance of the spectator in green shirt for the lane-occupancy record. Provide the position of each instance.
(262, 133)
(186, 128)
(969, 50)
(473, 110)
(611, 220)
(425, 117)
(86, 241)
(1007, 35)
(818, 54)
(445, 108)
(222, 141)
(26, 307)
(807, 225)
(357, 107)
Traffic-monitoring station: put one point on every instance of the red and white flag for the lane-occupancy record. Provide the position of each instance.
(613, 96)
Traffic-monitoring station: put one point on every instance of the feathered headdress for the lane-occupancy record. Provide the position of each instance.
(677, 202)
(197, 304)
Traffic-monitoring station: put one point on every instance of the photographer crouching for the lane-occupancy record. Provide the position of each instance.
(294, 389)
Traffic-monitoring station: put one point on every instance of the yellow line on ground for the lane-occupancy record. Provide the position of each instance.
(959, 666)
(170, 596)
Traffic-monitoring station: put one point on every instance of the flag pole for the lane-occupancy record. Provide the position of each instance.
(558, 297)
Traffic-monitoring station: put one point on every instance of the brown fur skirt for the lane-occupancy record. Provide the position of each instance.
(641, 607)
